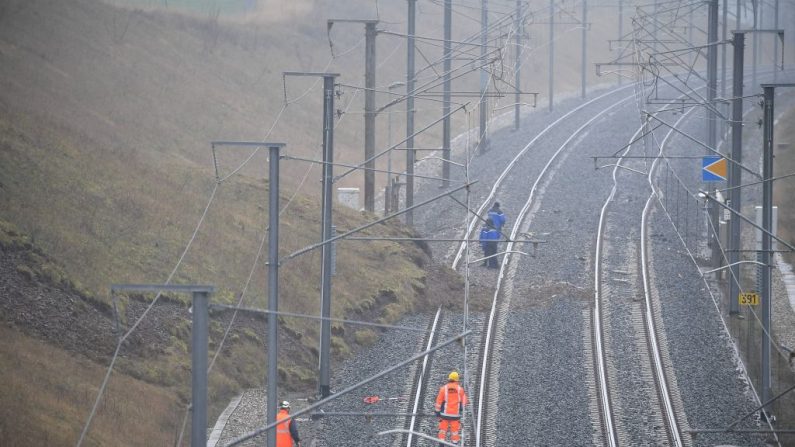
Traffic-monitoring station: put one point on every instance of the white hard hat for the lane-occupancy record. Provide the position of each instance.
(284, 404)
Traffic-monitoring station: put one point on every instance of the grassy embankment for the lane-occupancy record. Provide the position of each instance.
(105, 119)
(52, 387)
(107, 169)
(48, 393)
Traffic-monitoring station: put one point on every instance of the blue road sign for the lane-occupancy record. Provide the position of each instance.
(713, 168)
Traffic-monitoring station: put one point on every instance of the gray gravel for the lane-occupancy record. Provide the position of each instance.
(545, 394)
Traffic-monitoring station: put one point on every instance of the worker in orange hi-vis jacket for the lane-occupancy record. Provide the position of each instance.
(450, 404)
(287, 429)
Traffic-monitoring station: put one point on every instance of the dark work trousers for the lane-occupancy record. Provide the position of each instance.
(489, 249)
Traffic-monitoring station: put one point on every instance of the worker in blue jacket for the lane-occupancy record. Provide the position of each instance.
(488, 241)
(497, 216)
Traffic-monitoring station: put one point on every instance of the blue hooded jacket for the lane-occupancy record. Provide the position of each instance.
(488, 233)
(497, 216)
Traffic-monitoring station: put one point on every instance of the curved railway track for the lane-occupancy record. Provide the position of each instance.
(479, 426)
(484, 431)
(643, 318)
(484, 405)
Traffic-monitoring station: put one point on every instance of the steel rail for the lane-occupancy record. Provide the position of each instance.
(674, 431)
(421, 379)
(669, 414)
(485, 362)
(262, 429)
(601, 368)
(513, 162)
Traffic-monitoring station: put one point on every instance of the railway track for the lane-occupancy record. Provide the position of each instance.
(484, 430)
(624, 304)
(479, 351)
(479, 420)
(433, 372)
(658, 411)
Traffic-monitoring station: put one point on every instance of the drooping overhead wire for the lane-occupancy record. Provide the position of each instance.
(136, 324)
(138, 321)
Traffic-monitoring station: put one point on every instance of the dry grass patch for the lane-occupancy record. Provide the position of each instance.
(46, 395)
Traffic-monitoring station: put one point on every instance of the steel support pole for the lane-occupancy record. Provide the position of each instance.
(712, 80)
(410, 74)
(517, 64)
(734, 180)
(326, 222)
(755, 49)
(690, 36)
(620, 33)
(775, 41)
(369, 117)
(724, 30)
(714, 218)
(273, 289)
(390, 205)
(767, 227)
(712, 73)
(448, 54)
(388, 189)
(656, 26)
(551, 51)
(199, 343)
(359, 385)
(584, 46)
(484, 78)
(199, 340)
(737, 9)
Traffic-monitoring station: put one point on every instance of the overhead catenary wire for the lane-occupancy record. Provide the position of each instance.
(358, 385)
(199, 224)
(240, 167)
(436, 79)
(721, 248)
(265, 233)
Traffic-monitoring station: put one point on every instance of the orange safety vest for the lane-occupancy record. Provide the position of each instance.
(451, 400)
(283, 438)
